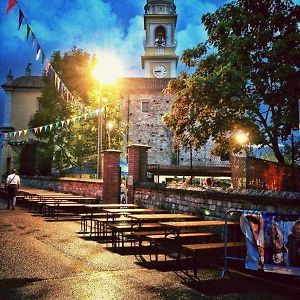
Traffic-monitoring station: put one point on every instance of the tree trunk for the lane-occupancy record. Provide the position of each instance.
(277, 153)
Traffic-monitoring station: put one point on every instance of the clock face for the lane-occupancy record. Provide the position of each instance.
(160, 71)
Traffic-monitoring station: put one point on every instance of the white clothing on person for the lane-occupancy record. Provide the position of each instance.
(13, 182)
(13, 179)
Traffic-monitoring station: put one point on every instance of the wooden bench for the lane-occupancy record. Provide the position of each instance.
(85, 217)
(195, 249)
(122, 231)
(156, 240)
(102, 225)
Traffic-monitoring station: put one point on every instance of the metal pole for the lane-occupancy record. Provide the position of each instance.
(293, 150)
(99, 144)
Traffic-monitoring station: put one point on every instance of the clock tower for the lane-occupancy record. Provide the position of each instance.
(160, 59)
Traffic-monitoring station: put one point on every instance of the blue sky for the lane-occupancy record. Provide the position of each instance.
(92, 25)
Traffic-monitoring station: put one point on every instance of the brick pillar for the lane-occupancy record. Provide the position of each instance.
(239, 176)
(137, 167)
(111, 176)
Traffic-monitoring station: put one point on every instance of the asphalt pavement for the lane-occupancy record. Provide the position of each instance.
(46, 259)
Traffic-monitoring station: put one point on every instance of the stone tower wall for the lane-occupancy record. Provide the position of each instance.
(147, 127)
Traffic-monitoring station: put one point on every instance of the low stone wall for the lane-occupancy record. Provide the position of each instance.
(85, 187)
(216, 202)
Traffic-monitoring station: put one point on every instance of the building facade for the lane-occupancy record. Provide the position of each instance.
(143, 99)
(20, 103)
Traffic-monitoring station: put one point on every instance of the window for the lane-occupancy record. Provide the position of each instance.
(145, 106)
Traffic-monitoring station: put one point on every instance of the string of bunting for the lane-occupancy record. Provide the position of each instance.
(52, 126)
(49, 70)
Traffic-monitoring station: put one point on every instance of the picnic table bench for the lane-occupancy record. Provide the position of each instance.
(93, 208)
(196, 249)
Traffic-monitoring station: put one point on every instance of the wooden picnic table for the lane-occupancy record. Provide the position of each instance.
(140, 219)
(55, 207)
(94, 207)
(111, 213)
(176, 228)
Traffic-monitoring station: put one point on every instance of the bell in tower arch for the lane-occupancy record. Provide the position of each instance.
(160, 37)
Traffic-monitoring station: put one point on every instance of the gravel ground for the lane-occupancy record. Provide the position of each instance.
(46, 259)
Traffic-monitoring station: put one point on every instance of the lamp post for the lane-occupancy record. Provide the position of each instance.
(99, 138)
(242, 138)
(110, 126)
(106, 71)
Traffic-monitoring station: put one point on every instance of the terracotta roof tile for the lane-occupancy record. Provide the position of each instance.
(25, 82)
(142, 84)
(126, 84)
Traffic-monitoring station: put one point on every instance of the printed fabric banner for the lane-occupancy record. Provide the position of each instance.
(272, 241)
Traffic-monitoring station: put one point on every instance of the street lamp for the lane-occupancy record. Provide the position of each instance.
(243, 139)
(110, 126)
(106, 71)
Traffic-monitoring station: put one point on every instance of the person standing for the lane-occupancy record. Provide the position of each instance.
(13, 183)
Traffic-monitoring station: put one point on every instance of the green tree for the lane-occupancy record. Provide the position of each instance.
(72, 144)
(245, 76)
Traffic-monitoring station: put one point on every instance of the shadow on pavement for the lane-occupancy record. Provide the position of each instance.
(8, 287)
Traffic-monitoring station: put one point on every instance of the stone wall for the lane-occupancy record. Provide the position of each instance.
(147, 128)
(91, 188)
(216, 202)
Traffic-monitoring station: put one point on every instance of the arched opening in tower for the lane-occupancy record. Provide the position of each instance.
(160, 36)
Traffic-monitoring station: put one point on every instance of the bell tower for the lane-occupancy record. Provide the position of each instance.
(160, 59)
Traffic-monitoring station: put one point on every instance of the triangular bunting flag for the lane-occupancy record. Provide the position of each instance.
(57, 124)
(40, 128)
(55, 79)
(25, 131)
(50, 126)
(62, 123)
(5, 135)
(45, 127)
(33, 39)
(43, 57)
(38, 52)
(21, 17)
(10, 5)
(28, 32)
(68, 121)
(47, 67)
(15, 133)
(35, 130)
(19, 132)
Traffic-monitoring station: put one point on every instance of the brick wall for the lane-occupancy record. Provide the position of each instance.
(111, 176)
(264, 175)
(217, 203)
(92, 188)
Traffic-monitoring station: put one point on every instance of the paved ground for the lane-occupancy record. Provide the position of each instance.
(44, 259)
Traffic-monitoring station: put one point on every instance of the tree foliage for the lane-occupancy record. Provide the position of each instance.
(246, 76)
(74, 143)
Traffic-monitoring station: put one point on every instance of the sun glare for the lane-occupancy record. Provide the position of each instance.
(242, 137)
(108, 69)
